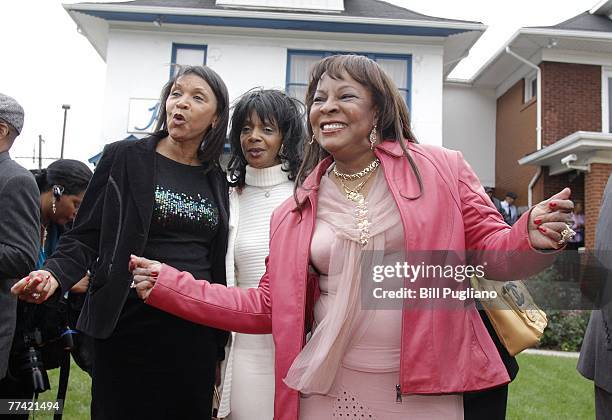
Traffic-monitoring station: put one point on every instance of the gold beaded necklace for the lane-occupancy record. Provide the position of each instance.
(361, 205)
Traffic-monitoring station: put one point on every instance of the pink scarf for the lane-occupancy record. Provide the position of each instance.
(314, 369)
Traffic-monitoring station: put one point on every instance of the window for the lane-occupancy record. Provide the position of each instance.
(606, 98)
(531, 87)
(299, 63)
(187, 55)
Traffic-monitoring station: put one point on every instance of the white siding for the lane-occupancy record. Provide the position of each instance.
(138, 66)
(469, 126)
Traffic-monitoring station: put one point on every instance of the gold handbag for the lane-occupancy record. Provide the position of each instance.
(517, 320)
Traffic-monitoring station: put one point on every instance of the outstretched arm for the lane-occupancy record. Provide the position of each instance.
(511, 252)
(179, 293)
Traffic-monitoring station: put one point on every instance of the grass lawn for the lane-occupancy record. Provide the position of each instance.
(549, 387)
(546, 388)
(78, 396)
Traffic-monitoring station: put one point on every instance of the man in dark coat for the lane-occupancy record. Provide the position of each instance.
(496, 202)
(19, 224)
(595, 360)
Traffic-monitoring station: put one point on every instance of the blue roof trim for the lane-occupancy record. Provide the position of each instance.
(296, 25)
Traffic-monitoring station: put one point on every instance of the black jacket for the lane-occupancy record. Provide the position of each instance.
(19, 242)
(112, 223)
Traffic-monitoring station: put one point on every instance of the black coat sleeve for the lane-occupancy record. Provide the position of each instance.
(19, 226)
(78, 248)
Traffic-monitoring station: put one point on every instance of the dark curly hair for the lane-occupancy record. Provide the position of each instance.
(272, 107)
(214, 139)
(72, 175)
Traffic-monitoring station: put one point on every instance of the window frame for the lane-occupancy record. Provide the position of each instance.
(529, 92)
(179, 46)
(407, 91)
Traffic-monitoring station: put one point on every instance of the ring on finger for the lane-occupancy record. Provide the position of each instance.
(566, 234)
(35, 295)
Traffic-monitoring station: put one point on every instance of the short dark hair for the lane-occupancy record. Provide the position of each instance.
(511, 195)
(72, 175)
(272, 107)
(214, 139)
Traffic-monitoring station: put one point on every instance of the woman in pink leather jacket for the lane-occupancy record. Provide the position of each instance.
(370, 190)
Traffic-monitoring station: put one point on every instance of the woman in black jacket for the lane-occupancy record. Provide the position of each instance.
(165, 197)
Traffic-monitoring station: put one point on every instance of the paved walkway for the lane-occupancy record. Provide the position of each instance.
(571, 354)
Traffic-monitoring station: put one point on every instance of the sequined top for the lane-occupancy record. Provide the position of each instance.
(185, 218)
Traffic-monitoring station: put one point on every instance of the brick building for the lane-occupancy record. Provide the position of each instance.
(553, 88)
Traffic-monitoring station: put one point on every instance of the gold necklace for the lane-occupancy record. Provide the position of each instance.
(361, 208)
(354, 194)
(352, 177)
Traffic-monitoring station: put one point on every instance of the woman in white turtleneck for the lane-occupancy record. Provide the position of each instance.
(266, 139)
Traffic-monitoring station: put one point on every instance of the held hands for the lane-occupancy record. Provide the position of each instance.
(550, 221)
(37, 287)
(145, 274)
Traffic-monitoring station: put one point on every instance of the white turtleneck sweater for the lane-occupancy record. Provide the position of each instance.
(248, 384)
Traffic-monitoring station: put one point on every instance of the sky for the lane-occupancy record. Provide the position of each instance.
(45, 63)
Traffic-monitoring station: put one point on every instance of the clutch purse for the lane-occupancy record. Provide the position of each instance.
(517, 320)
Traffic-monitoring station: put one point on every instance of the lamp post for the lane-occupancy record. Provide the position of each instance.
(65, 107)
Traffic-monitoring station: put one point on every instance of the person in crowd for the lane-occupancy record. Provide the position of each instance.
(365, 185)
(266, 138)
(61, 187)
(164, 196)
(510, 212)
(578, 227)
(572, 267)
(19, 224)
(496, 202)
(595, 360)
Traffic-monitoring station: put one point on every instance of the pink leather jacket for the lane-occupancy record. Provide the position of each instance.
(441, 351)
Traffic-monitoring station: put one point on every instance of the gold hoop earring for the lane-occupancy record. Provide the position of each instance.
(312, 140)
(373, 136)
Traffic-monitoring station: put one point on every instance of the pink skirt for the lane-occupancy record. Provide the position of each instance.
(364, 395)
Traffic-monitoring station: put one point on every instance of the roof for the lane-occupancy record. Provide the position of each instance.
(584, 33)
(583, 22)
(364, 17)
(356, 8)
(585, 146)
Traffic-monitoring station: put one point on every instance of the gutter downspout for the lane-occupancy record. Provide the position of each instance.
(531, 185)
(538, 94)
(538, 119)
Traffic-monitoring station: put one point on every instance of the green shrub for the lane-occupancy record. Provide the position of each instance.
(565, 330)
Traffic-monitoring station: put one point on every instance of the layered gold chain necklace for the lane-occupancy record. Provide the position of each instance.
(352, 177)
(354, 194)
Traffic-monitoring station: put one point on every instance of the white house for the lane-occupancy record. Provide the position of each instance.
(268, 43)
